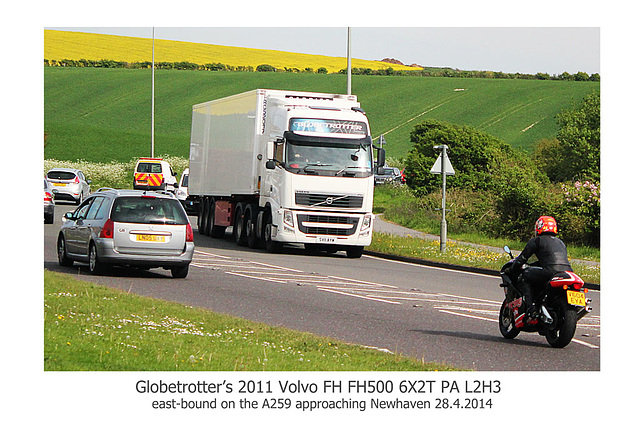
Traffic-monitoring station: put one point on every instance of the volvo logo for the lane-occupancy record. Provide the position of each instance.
(329, 200)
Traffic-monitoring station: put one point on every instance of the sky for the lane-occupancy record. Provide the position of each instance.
(529, 50)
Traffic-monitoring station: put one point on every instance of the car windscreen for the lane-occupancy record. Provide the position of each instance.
(61, 175)
(148, 210)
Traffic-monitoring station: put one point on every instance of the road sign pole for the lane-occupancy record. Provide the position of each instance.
(443, 166)
(443, 222)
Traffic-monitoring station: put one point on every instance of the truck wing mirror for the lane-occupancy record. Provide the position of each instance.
(381, 157)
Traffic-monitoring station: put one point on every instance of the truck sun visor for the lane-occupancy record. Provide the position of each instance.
(327, 140)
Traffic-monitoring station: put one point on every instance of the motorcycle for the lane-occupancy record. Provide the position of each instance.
(563, 303)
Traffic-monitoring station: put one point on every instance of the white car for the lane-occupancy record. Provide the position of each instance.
(69, 184)
(182, 193)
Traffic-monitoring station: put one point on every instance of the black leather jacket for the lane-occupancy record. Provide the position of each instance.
(551, 253)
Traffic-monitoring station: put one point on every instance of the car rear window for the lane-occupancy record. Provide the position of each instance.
(61, 175)
(149, 168)
(148, 210)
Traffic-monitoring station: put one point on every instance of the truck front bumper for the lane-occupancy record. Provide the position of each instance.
(321, 227)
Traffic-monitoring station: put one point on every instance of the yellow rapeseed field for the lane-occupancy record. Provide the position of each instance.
(59, 45)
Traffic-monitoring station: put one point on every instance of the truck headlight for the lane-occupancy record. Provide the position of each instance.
(287, 218)
(366, 223)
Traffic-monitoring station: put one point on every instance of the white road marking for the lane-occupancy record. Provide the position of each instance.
(457, 305)
(431, 267)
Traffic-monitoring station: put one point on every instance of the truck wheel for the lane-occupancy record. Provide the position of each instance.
(355, 251)
(203, 217)
(272, 247)
(218, 231)
(238, 226)
(211, 218)
(250, 218)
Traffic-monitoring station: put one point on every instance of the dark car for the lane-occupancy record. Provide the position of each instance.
(389, 175)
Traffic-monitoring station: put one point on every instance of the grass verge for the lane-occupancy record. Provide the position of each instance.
(459, 254)
(94, 328)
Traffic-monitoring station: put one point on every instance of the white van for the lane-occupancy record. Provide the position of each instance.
(154, 174)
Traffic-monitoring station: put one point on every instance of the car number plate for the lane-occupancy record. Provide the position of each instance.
(149, 238)
(326, 240)
(59, 184)
(576, 298)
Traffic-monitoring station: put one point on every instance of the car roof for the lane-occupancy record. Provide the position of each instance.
(64, 170)
(131, 193)
(151, 160)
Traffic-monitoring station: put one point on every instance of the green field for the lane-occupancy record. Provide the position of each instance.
(103, 115)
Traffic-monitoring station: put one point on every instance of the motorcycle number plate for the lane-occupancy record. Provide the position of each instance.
(576, 298)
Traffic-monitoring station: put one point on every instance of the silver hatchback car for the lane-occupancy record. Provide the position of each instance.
(132, 228)
(69, 184)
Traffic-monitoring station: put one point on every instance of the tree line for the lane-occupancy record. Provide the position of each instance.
(389, 71)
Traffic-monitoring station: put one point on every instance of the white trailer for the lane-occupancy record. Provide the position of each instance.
(284, 167)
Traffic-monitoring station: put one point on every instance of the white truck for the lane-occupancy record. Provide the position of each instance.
(284, 167)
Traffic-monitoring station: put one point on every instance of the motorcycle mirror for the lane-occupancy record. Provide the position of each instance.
(507, 250)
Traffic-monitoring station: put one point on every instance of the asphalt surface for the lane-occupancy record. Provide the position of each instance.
(431, 313)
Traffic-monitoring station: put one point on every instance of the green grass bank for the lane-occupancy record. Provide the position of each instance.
(95, 328)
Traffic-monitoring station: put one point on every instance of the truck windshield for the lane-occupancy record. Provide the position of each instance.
(328, 156)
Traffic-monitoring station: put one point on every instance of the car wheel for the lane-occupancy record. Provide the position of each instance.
(95, 265)
(180, 272)
(63, 259)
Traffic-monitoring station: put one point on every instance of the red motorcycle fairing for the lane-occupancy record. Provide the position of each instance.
(568, 278)
(520, 320)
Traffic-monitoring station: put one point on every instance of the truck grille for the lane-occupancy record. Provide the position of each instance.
(338, 201)
(327, 225)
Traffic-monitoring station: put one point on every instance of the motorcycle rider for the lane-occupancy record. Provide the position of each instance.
(552, 258)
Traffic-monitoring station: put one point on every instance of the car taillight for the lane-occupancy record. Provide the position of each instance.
(48, 197)
(76, 181)
(107, 230)
(189, 233)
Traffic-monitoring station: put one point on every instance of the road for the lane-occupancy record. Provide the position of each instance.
(429, 313)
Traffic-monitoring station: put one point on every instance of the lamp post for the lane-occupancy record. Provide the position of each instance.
(348, 60)
(153, 88)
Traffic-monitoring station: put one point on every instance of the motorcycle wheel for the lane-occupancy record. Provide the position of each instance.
(507, 322)
(563, 327)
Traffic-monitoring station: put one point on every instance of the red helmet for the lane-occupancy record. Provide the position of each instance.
(546, 224)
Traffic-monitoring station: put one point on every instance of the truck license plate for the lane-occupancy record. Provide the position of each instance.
(326, 240)
(576, 298)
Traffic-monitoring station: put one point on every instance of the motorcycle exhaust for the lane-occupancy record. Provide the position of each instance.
(584, 312)
(546, 317)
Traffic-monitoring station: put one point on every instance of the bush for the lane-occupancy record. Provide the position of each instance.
(265, 68)
(575, 154)
(499, 190)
